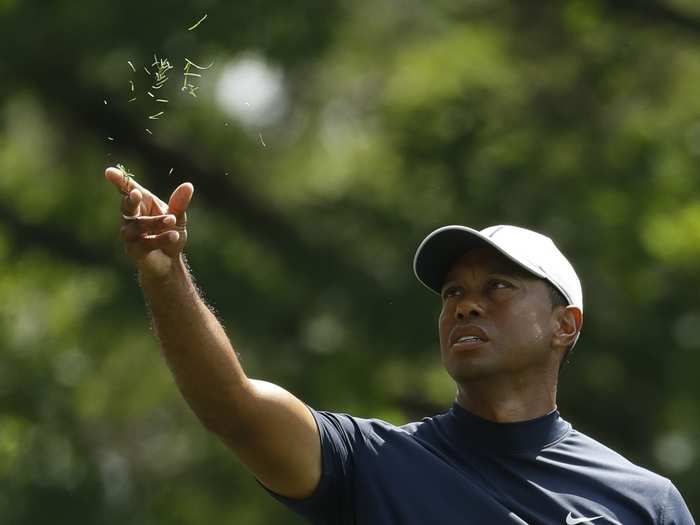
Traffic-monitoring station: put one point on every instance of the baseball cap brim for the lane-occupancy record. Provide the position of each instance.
(439, 250)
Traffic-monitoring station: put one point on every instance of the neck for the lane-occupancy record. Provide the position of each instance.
(508, 399)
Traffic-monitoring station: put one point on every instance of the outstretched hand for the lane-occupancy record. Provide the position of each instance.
(154, 233)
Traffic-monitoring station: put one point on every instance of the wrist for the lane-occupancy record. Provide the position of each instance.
(161, 270)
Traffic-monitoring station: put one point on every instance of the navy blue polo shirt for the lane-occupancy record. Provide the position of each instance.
(457, 468)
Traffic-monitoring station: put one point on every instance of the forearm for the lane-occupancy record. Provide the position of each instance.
(270, 430)
(197, 350)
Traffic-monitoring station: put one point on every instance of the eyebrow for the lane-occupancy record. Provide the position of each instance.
(447, 285)
(508, 271)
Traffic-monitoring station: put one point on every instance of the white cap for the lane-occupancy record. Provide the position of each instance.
(531, 250)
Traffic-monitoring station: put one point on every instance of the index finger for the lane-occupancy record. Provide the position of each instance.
(123, 183)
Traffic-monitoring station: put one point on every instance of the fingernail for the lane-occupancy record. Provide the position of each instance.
(169, 220)
(173, 236)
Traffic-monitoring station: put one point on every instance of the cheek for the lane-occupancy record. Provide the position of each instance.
(531, 326)
(443, 324)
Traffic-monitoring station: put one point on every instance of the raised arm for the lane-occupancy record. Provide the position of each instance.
(270, 430)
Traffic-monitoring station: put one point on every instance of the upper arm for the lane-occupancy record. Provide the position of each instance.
(279, 441)
(675, 511)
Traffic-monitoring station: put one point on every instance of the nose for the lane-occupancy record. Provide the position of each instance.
(468, 308)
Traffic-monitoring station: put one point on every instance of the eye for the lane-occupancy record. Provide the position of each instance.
(451, 291)
(499, 284)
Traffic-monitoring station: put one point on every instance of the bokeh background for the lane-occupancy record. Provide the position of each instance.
(326, 140)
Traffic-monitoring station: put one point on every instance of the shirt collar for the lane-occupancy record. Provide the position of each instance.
(521, 436)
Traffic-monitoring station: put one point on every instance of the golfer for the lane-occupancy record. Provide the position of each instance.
(512, 309)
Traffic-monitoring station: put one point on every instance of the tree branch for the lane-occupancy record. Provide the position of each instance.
(28, 236)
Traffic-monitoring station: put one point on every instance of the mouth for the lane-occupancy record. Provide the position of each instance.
(467, 342)
(468, 337)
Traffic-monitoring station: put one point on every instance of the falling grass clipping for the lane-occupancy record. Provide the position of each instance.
(197, 23)
(159, 77)
(126, 175)
(187, 85)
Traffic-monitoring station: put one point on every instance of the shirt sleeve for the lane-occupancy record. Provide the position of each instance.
(675, 511)
(332, 501)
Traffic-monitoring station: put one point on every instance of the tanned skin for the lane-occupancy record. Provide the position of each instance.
(269, 430)
(513, 374)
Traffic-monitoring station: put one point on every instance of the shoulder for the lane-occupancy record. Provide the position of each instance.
(593, 455)
(601, 466)
(603, 470)
(370, 429)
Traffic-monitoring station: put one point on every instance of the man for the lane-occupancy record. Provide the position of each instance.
(512, 309)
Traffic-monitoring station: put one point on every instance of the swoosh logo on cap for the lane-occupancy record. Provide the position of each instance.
(570, 520)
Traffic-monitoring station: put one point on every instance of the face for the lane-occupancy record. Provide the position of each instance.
(496, 319)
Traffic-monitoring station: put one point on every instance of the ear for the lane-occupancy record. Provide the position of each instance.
(567, 324)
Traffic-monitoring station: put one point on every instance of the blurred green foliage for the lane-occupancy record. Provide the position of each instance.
(578, 118)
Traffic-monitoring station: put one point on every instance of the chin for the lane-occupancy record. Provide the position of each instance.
(470, 369)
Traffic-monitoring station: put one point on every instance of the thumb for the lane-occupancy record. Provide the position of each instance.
(180, 199)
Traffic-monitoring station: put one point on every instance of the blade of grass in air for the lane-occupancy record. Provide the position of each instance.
(126, 175)
(190, 63)
(163, 66)
(186, 85)
(199, 22)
